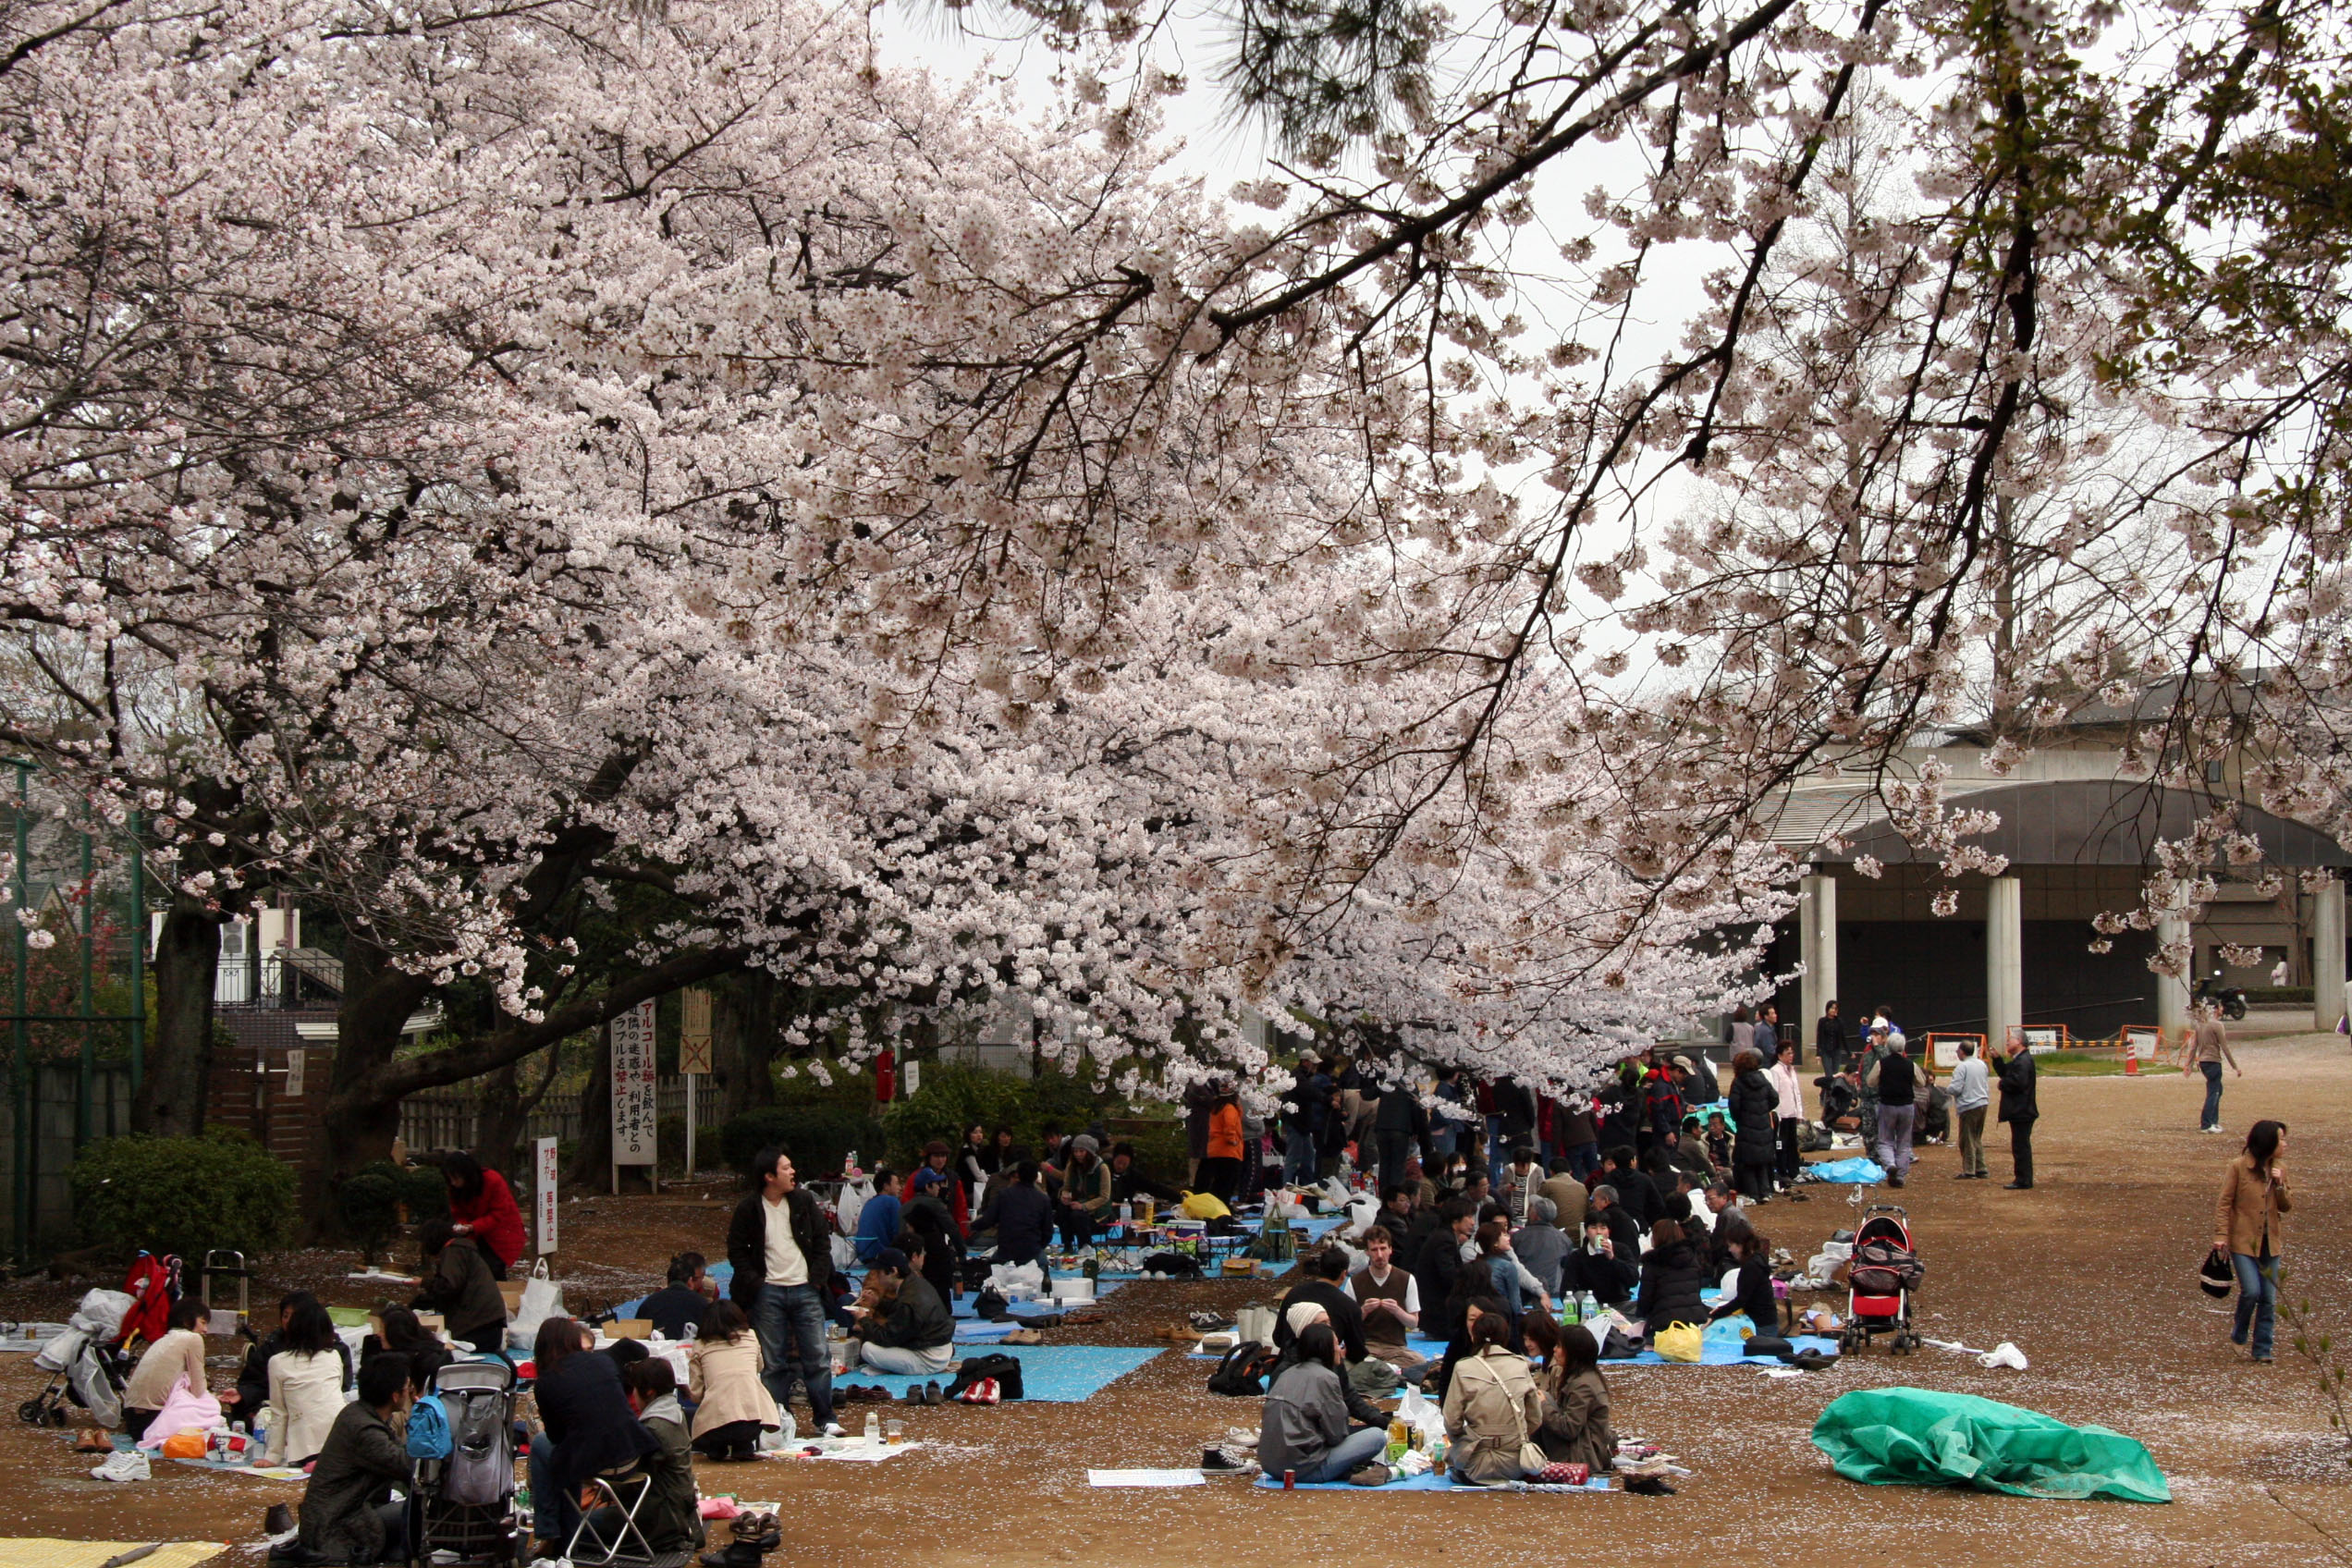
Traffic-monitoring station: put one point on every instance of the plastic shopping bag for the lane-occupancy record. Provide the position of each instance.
(541, 1300)
(1679, 1341)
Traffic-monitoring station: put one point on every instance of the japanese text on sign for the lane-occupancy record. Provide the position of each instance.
(633, 1111)
(544, 1159)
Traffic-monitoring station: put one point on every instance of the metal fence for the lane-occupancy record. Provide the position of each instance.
(452, 1118)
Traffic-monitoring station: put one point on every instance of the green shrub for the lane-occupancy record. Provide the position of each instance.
(956, 1095)
(817, 1137)
(2280, 995)
(183, 1194)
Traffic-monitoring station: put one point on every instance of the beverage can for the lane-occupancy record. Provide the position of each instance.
(1290, 1480)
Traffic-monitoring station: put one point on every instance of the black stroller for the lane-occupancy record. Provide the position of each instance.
(464, 1509)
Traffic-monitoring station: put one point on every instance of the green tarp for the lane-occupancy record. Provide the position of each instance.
(1886, 1436)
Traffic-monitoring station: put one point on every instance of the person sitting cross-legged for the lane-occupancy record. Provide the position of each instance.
(908, 1330)
(1304, 1431)
(348, 1515)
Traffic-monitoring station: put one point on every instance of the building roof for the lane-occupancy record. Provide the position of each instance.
(2048, 821)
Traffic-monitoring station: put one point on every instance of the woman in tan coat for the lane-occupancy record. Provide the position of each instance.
(1491, 1407)
(2251, 1227)
(732, 1406)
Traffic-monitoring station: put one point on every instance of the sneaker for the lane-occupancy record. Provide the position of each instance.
(835, 1429)
(129, 1467)
(1216, 1461)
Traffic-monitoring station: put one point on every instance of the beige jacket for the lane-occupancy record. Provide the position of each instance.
(2252, 1210)
(724, 1381)
(1491, 1407)
(179, 1351)
(305, 1396)
(2207, 1042)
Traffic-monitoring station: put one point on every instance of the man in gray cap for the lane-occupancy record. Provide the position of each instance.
(1085, 1192)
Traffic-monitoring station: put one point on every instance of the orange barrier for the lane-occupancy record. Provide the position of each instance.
(1943, 1047)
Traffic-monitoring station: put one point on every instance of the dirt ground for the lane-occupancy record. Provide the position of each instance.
(2091, 1274)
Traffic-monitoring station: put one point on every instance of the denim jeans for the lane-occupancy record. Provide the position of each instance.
(2258, 1281)
(1894, 1137)
(1354, 1452)
(2213, 1117)
(555, 1512)
(1300, 1161)
(789, 1320)
(1583, 1159)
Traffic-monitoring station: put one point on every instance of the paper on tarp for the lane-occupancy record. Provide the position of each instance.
(1897, 1437)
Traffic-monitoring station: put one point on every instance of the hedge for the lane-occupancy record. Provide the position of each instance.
(183, 1195)
(818, 1137)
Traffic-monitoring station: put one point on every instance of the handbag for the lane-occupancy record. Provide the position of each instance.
(2216, 1276)
(1532, 1458)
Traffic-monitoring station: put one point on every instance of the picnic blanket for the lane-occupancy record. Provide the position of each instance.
(1892, 1437)
(853, 1450)
(1049, 1374)
(1857, 1171)
(960, 1310)
(1723, 1345)
(44, 1551)
(1432, 1482)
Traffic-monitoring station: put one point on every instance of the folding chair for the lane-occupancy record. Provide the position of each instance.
(606, 1489)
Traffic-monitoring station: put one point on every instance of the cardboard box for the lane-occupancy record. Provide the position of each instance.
(432, 1322)
(631, 1328)
(510, 1292)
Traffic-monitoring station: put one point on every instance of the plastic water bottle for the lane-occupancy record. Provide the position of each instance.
(873, 1429)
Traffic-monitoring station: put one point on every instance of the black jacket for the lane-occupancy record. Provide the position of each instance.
(463, 1290)
(747, 1244)
(1637, 1194)
(1345, 1312)
(361, 1461)
(1436, 1267)
(1023, 1219)
(588, 1417)
(1898, 1080)
(1400, 1110)
(917, 1320)
(2018, 1077)
(675, 1310)
(1752, 1105)
(253, 1379)
(1829, 1040)
(1671, 1283)
(1515, 1103)
(1132, 1183)
(1754, 1296)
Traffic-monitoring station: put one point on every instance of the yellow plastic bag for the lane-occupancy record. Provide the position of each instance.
(1205, 1206)
(1679, 1341)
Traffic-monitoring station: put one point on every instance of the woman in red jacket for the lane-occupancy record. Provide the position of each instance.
(485, 1209)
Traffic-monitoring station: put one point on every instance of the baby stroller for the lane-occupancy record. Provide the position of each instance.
(85, 1368)
(465, 1503)
(1882, 1275)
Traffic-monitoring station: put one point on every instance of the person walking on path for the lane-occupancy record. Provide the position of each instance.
(1971, 1095)
(2204, 1050)
(2020, 1109)
(1898, 1084)
(2251, 1227)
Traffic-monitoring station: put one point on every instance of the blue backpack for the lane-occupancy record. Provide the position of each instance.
(428, 1429)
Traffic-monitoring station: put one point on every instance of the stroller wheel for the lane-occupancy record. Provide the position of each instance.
(30, 1411)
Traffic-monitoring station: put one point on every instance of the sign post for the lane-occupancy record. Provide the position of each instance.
(693, 1055)
(543, 1159)
(634, 1111)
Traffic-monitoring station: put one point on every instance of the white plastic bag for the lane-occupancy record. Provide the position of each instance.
(1018, 1281)
(2004, 1355)
(1417, 1411)
(541, 1301)
(851, 1204)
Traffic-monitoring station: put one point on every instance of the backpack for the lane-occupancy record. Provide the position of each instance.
(1276, 1243)
(428, 1429)
(1005, 1370)
(990, 1306)
(1242, 1372)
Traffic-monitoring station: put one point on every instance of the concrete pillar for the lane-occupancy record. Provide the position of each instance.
(2004, 959)
(1816, 947)
(2327, 953)
(2172, 995)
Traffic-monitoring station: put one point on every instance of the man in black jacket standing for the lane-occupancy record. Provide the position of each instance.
(2021, 1108)
(1830, 1042)
(782, 1255)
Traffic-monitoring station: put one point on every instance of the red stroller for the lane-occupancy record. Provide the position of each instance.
(1882, 1276)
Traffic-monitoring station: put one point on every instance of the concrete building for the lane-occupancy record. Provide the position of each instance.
(2018, 949)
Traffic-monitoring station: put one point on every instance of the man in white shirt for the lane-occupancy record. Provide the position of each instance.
(1971, 1091)
(782, 1253)
(1391, 1298)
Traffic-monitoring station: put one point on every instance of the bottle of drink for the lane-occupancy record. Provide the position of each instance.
(872, 1427)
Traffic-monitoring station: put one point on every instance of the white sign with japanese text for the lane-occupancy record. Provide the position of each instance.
(543, 1159)
(633, 1105)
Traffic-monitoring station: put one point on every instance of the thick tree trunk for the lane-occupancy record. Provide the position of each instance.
(361, 1122)
(179, 1052)
(592, 1155)
(744, 1044)
(507, 1105)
